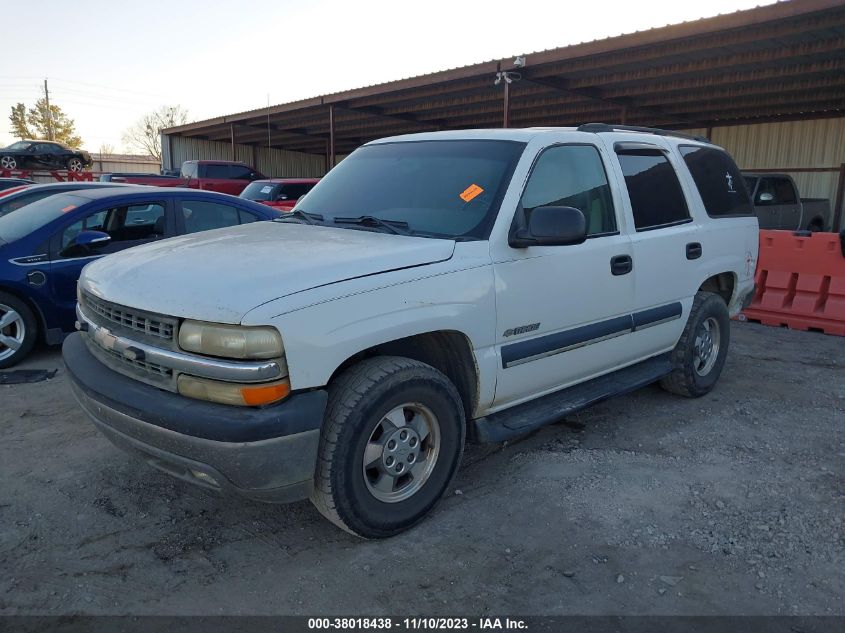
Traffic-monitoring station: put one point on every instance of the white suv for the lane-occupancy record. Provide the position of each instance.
(430, 288)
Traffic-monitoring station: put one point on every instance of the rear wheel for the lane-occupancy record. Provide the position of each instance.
(75, 164)
(18, 330)
(391, 444)
(8, 162)
(700, 354)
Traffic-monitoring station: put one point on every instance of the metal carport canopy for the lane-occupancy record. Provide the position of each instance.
(780, 62)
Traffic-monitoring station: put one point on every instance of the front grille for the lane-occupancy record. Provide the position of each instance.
(153, 370)
(157, 327)
(143, 371)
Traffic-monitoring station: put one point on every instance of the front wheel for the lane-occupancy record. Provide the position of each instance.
(18, 330)
(8, 162)
(75, 165)
(391, 443)
(699, 356)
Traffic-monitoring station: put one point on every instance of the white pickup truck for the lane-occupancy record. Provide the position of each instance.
(431, 288)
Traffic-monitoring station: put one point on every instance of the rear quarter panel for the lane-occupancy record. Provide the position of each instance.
(729, 244)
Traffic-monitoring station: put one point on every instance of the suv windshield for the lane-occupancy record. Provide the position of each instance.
(14, 226)
(439, 188)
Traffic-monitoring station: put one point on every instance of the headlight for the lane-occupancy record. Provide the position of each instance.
(230, 341)
(232, 393)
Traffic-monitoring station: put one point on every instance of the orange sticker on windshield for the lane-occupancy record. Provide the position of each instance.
(69, 207)
(471, 192)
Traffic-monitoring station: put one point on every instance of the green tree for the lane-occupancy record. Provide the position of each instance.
(20, 127)
(38, 123)
(145, 134)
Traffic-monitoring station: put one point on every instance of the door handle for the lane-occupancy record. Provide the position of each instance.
(693, 250)
(621, 265)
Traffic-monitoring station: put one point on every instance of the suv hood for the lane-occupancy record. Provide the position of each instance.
(221, 275)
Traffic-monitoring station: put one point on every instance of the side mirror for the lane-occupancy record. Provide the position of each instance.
(552, 226)
(765, 197)
(85, 242)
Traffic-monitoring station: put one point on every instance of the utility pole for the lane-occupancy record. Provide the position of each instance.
(49, 112)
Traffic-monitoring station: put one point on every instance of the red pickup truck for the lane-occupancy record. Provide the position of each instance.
(211, 175)
(279, 193)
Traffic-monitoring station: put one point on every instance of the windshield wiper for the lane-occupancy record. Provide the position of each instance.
(394, 226)
(309, 218)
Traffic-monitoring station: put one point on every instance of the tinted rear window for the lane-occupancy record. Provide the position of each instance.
(719, 181)
(14, 226)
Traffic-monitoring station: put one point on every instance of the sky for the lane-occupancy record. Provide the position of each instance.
(108, 63)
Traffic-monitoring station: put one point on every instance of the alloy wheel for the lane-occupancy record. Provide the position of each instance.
(401, 452)
(706, 346)
(12, 331)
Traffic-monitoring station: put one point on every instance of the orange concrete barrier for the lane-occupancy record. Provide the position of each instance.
(800, 282)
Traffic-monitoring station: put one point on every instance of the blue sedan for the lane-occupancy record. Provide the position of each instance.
(44, 245)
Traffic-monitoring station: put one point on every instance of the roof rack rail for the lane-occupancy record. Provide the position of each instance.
(595, 128)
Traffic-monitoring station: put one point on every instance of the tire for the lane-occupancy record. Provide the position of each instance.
(697, 364)
(366, 501)
(18, 330)
(75, 165)
(8, 162)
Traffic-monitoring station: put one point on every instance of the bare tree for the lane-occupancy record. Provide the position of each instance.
(145, 134)
(106, 149)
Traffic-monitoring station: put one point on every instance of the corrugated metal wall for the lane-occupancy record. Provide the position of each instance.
(816, 143)
(132, 164)
(271, 162)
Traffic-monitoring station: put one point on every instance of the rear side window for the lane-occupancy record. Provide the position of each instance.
(216, 171)
(239, 172)
(293, 191)
(657, 199)
(201, 215)
(572, 176)
(719, 181)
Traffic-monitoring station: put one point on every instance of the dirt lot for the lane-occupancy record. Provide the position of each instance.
(731, 504)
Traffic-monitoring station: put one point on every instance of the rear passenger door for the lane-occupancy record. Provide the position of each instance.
(195, 216)
(665, 245)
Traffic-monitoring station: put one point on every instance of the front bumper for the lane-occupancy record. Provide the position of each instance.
(266, 454)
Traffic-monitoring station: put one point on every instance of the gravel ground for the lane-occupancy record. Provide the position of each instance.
(645, 504)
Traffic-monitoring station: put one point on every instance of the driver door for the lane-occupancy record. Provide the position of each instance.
(128, 225)
(560, 307)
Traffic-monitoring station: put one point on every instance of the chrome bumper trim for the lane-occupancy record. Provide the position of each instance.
(203, 367)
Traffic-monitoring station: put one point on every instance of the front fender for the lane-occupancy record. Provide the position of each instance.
(320, 337)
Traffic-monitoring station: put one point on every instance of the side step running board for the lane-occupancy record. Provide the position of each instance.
(526, 417)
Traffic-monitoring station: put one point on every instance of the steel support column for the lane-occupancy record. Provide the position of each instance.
(840, 201)
(232, 137)
(507, 104)
(331, 138)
